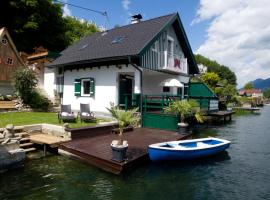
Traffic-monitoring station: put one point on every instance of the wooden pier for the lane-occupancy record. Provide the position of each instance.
(224, 115)
(93, 146)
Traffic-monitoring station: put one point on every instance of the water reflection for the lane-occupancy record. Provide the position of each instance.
(102, 189)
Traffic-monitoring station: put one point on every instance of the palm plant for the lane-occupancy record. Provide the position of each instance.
(185, 108)
(124, 118)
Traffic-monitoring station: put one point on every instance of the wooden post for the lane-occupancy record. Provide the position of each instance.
(44, 150)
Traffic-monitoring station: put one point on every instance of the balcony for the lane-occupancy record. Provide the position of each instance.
(174, 63)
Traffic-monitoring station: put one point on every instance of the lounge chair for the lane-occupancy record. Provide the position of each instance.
(85, 113)
(65, 114)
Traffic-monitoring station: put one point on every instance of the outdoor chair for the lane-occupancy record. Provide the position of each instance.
(65, 114)
(85, 113)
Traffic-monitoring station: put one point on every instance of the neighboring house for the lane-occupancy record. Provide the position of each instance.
(36, 61)
(254, 93)
(124, 65)
(10, 60)
(202, 68)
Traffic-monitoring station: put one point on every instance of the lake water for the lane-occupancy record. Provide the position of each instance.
(243, 172)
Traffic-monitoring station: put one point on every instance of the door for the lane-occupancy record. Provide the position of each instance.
(125, 90)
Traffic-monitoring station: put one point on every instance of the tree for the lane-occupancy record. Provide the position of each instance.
(25, 82)
(124, 118)
(185, 108)
(78, 29)
(266, 93)
(34, 23)
(249, 86)
(224, 72)
(211, 79)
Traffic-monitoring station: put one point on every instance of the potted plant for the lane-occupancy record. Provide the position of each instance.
(125, 119)
(185, 108)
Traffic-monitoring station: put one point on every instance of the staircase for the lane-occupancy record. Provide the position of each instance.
(25, 142)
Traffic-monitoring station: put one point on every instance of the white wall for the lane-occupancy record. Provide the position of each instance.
(49, 82)
(152, 80)
(106, 87)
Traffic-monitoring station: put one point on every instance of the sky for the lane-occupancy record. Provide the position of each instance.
(235, 33)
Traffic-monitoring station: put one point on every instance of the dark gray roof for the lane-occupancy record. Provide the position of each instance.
(99, 45)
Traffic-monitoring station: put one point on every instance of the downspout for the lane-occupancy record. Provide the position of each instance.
(141, 83)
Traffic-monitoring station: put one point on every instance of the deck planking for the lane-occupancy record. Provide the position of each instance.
(97, 151)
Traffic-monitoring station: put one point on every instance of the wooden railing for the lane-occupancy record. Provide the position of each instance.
(158, 102)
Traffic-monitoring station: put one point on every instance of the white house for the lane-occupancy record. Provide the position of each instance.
(123, 64)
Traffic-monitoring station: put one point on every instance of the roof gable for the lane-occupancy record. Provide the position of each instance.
(4, 33)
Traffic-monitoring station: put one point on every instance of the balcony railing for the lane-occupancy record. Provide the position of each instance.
(175, 63)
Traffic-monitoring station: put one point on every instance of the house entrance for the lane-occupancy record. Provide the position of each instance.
(125, 90)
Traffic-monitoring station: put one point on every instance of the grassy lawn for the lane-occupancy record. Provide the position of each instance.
(25, 118)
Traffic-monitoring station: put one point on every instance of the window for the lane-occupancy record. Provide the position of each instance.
(166, 89)
(85, 87)
(4, 41)
(170, 45)
(155, 46)
(9, 61)
(118, 39)
(84, 46)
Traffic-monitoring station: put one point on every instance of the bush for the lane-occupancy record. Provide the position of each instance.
(38, 101)
(25, 82)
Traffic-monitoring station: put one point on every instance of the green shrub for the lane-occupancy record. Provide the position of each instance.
(38, 101)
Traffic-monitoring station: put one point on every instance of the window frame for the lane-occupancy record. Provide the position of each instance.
(82, 87)
(9, 59)
(4, 43)
(170, 51)
(155, 46)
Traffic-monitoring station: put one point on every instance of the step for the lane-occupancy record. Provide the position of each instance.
(24, 139)
(22, 134)
(26, 144)
(29, 149)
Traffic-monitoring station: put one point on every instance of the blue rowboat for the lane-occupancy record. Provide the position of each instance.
(187, 149)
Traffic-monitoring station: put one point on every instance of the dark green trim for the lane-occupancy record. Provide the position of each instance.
(183, 43)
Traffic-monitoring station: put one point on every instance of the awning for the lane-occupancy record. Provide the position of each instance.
(171, 82)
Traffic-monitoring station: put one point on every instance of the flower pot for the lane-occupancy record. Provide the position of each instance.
(182, 128)
(119, 152)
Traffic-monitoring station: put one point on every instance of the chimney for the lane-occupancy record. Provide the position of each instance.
(136, 18)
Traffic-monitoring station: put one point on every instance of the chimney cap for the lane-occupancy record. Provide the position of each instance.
(138, 16)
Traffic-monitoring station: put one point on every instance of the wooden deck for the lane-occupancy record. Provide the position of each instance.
(96, 150)
(222, 115)
(45, 139)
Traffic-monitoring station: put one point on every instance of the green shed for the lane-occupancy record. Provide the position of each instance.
(207, 99)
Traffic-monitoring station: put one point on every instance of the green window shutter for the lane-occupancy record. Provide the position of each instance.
(186, 88)
(92, 87)
(77, 86)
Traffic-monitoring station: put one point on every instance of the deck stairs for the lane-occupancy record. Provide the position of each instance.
(25, 142)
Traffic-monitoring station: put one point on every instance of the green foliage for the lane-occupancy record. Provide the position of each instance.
(25, 81)
(34, 23)
(249, 86)
(223, 72)
(266, 93)
(225, 85)
(211, 79)
(38, 101)
(185, 108)
(78, 29)
(124, 118)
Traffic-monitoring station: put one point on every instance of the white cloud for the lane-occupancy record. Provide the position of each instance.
(125, 4)
(238, 36)
(66, 10)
